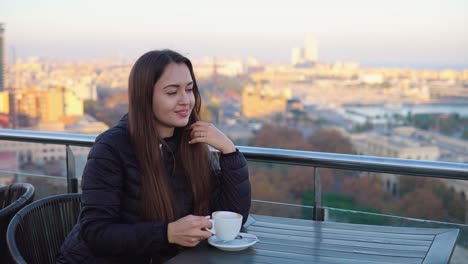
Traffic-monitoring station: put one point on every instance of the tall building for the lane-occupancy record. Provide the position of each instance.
(73, 105)
(2, 58)
(4, 102)
(12, 117)
(296, 56)
(49, 106)
(4, 110)
(310, 49)
(307, 55)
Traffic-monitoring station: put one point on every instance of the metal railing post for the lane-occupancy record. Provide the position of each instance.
(72, 181)
(318, 213)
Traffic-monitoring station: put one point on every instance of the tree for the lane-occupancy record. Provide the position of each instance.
(367, 191)
(330, 140)
(300, 180)
(269, 184)
(421, 203)
(279, 137)
(91, 107)
(453, 204)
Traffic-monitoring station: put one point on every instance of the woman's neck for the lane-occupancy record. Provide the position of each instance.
(166, 132)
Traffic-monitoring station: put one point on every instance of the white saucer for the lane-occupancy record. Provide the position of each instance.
(246, 241)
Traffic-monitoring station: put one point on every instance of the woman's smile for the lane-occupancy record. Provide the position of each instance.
(183, 113)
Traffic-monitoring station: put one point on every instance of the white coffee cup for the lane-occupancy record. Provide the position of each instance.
(225, 224)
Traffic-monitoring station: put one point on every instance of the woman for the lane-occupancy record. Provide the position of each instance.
(150, 181)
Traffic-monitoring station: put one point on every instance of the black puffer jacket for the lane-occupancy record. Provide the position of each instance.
(110, 229)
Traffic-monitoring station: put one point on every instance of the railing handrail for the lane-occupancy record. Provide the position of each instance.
(437, 169)
(59, 138)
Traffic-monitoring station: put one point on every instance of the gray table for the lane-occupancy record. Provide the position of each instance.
(286, 240)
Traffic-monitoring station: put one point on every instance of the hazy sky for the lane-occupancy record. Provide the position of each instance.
(418, 33)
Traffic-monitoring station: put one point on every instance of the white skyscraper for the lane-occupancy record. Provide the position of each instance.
(306, 56)
(310, 49)
(296, 56)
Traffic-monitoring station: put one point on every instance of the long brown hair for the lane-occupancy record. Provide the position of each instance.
(157, 196)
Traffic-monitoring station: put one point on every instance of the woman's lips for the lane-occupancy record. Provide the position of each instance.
(182, 113)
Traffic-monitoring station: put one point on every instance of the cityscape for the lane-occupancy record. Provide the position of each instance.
(306, 103)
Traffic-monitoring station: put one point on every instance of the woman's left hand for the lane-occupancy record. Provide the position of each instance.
(207, 133)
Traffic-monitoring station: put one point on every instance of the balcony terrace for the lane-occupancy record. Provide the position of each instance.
(317, 211)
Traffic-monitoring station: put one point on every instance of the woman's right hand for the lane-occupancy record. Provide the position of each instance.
(188, 231)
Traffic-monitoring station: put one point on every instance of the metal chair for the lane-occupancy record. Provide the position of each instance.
(12, 199)
(36, 232)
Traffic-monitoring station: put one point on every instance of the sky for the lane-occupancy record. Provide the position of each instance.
(396, 33)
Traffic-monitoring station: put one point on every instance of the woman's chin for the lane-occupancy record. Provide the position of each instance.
(181, 124)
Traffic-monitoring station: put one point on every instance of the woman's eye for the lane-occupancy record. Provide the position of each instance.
(189, 89)
(171, 93)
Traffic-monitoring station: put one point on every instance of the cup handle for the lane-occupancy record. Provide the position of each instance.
(212, 229)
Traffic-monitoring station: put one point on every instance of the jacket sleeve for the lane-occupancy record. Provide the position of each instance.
(231, 189)
(102, 186)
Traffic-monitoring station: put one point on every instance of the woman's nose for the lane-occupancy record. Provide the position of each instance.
(184, 98)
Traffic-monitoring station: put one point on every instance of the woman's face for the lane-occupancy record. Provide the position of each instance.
(173, 98)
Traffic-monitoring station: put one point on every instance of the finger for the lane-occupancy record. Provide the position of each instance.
(206, 234)
(201, 234)
(198, 134)
(196, 224)
(198, 140)
(206, 222)
(190, 217)
(210, 225)
(201, 133)
(199, 128)
(201, 222)
(191, 243)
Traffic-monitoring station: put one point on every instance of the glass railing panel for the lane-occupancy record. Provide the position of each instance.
(40, 164)
(44, 185)
(35, 158)
(403, 195)
(281, 209)
(279, 189)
